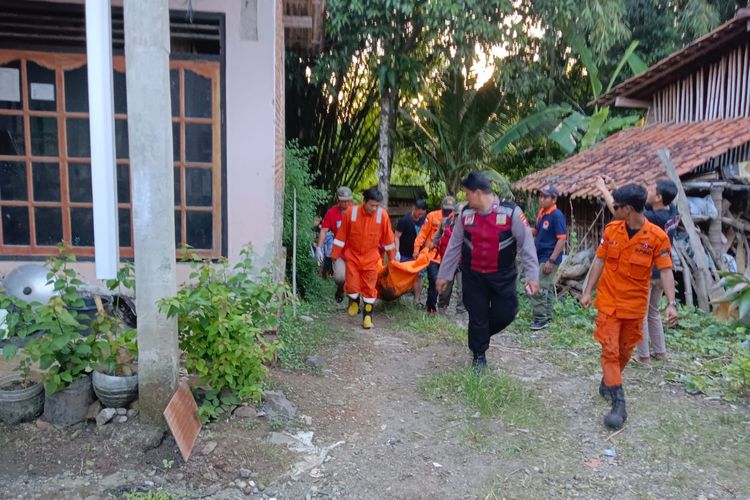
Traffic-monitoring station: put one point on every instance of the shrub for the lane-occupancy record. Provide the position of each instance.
(309, 198)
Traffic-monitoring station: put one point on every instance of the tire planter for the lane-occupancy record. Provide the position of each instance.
(70, 405)
(20, 405)
(114, 391)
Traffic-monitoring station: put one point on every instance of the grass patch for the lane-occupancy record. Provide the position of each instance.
(410, 319)
(491, 394)
(150, 495)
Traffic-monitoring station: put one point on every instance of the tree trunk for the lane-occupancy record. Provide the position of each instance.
(388, 103)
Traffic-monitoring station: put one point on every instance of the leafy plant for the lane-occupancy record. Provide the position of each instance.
(222, 317)
(738, 292)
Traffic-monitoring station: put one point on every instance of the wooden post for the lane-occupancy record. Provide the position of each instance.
(714, 229)
(702, 277)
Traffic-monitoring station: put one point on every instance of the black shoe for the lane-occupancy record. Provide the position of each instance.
(479, 363)
(339, 295)
(538, 325)
(617, 416)
(604, 392)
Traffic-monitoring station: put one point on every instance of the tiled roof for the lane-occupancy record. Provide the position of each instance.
(630, 155)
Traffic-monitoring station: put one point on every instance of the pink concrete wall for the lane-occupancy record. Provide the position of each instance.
(250, 124)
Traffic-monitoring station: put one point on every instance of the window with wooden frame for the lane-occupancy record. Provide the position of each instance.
(45, 164)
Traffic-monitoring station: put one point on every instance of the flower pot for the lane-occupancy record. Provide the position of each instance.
(114, 391)
(70, 405)
(19, 405)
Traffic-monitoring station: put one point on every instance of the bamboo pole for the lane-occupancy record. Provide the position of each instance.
(746, 83)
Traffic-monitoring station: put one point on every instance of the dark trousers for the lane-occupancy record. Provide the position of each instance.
(492, 303)
(433, 301)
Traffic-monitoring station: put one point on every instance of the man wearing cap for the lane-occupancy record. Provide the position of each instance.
(425, 238)
(328, 229)
(406, 233)
(485, 239)
(630, 248)
(549, 238)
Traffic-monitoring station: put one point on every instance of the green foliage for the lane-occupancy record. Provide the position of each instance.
(221, 318)
(150, 495)
(299, 180)
(738, 292)
(407, 318)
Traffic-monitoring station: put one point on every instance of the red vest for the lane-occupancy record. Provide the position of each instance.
(489, 245)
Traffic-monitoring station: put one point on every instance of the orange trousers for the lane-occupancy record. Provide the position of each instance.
(361, 282)
(618, 337)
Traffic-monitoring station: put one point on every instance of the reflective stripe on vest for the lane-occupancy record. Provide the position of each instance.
(354, 213)
(379, 216)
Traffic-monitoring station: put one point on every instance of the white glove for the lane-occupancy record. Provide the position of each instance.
(398, 256)
(319, 255)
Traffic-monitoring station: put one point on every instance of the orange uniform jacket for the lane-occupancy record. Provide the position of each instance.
(623, 287)
(364, 235)
(430, 227)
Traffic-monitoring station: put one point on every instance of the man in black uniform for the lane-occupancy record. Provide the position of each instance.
(485, 239)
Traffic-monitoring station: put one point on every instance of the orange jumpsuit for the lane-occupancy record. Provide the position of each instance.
(430, 227)
(622, 296)
(359, 241)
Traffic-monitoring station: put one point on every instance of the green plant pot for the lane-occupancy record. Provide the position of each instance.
(114, 391)
(19, 405)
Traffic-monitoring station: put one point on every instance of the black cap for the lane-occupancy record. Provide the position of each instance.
(550, 190)
(476, 180)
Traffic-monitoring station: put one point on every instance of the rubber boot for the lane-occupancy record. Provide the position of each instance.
(339, 295)
(617, 416)
(367, 316)
(353, 308)
(604, 392)
(479, 362)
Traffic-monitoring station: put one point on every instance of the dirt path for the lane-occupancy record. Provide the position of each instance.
(397, 428)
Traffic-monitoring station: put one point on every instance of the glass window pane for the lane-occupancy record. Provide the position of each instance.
(43, 136)
(82, 227)
(176, 141)
(199, 229)
(46, 178)
(198, 143)
(79, 182)
(121, 139)
(76, 90)
(198, 187)
(174, 90)
(13, 181)
(178, 228)
(15, 225)
(123, 184)
(78, 137)
(48, 224)
(11, 136)
(42, 88)
(123, 218)
(13, 74)
(120, 90)
(197, 95)
(177, 194)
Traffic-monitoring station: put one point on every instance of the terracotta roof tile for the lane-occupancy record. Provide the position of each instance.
(630, 155)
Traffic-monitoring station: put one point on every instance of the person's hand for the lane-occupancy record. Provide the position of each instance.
(586, 300)
(441, 285)
(319, 255)
(547, 268)
(671, 315)
(601, 185)
(532, 287)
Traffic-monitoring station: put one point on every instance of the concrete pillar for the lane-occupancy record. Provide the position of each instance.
(714, 228)
(152, 178)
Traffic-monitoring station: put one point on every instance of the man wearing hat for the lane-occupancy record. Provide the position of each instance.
(549, 238)
(328, 229)
(426, 236)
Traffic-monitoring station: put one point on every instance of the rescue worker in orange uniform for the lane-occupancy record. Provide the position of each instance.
(426, 235)
(364, 230)
(630, 248)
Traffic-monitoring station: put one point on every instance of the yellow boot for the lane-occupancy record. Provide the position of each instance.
(353, 308)
(367, 317)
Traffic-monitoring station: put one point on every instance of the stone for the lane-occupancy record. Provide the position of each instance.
(306, 319)
(241, 484)
(132, 413)
(314, 361)
(277, 405)
(209, 447)
(105, 416)
(245, 412)
(121, 419)
(245, 473)
(122, 411)
(133, 405)
(42, 425)
(94, 409)
(140, 436)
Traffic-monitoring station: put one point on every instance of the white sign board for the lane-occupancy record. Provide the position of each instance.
(10, 90)
(43, 91)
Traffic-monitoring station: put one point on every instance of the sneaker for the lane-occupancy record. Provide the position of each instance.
(432, 312)
(660, 356)
(479, 363)
(538, 325)
(339, 296)
(642, 360)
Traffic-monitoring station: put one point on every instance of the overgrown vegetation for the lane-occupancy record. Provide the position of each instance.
(407, 318)
(222, 318)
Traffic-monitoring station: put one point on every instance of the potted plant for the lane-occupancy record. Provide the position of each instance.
(115, 380)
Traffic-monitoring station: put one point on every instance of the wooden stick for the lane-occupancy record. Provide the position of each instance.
(614, 434)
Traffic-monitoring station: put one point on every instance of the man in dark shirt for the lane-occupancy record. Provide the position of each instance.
(659, 212)
(549, 237)
(406, 232)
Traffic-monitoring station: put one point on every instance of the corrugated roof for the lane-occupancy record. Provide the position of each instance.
(679, 64)
(630, 155)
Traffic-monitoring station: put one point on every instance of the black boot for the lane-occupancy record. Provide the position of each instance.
(604, 391)
(479, 362)
(339, 294)
(617, 416)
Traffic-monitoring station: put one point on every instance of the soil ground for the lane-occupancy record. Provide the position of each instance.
(405, 418)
